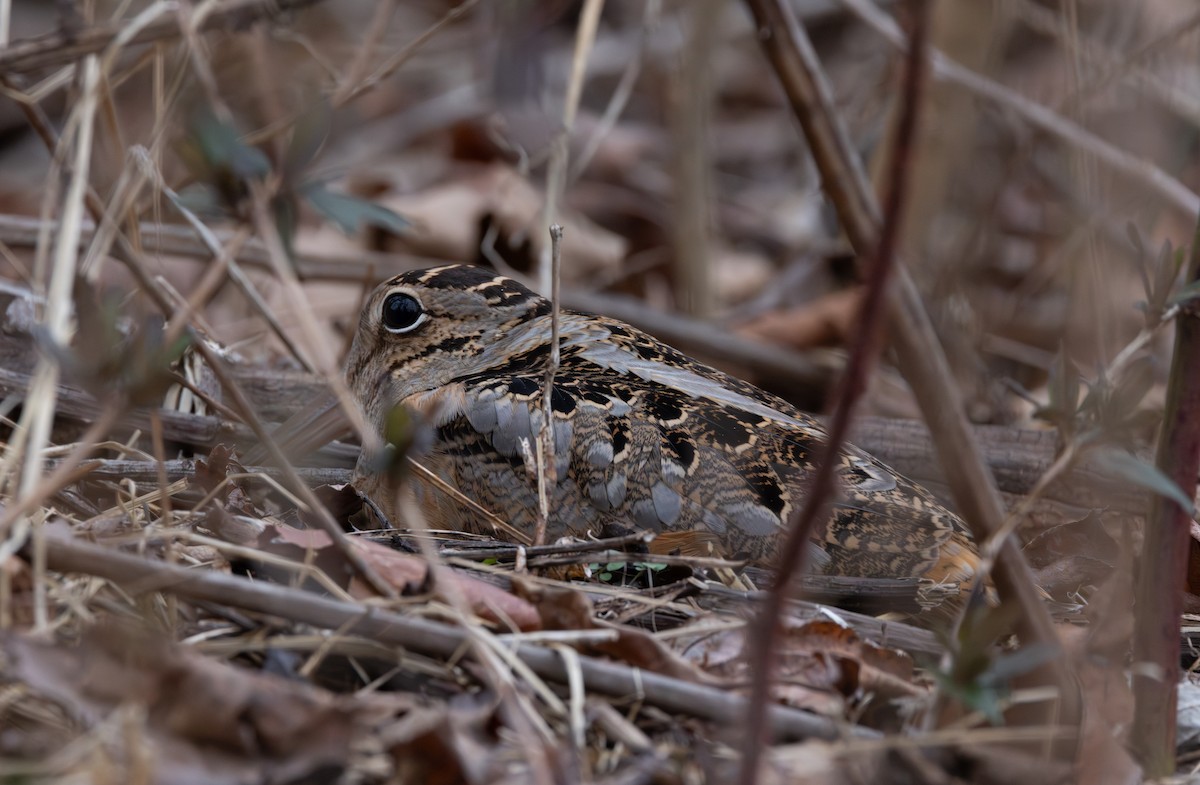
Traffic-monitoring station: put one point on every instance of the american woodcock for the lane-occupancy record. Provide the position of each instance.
(645, 437)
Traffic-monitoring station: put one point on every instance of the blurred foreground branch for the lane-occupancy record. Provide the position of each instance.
(1162, 572)
(920, 356)
(65, 46)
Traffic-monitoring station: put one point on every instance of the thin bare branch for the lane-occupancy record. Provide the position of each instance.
(866, 349)
(140, 575)
(548, 477)
(67, 46)
(1135, 169)
(1164, 561)
(920, 356)
(556, 171)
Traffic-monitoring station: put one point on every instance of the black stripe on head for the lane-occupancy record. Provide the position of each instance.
(495, 289)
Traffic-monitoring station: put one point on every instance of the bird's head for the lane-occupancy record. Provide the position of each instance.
(425, 328)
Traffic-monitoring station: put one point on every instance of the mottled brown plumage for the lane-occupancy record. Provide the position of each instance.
(645, 436)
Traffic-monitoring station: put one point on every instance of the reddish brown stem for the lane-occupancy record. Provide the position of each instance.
(919, 355)
(1163, 569)
(863, 356)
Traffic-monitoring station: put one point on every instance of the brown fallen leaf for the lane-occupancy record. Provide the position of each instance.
(448, 744)
(197, 719)
(568, 609)
(820, 663)
(826, 321)
(406, 572)
(447, 220)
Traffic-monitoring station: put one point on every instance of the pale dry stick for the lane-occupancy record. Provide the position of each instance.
(38, 416)
(548, 476)
(125, 194)
(621, 730)
(225, 261)
(278, 256)
(160, 457)
(318, 655)
(40, 91)
(203, 291)
(588, 636)
(189, 30)
(354, 86)
(241, 404)
(576, 691)
(621, 94)
(1133, 168)
(556, 170)
(14, 449)
(613, 544)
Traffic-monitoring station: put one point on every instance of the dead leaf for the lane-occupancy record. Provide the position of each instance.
(820, 663)
(202, 720)
(447, 744)
(826, 321)
(408, 574)
(447, 222)
(568, 609)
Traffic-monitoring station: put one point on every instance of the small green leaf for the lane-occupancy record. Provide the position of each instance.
(286, 222)
(1167, 270)
(1135, 470)
(198, 198)
(221, 147)
(350, 212)
(309, 133)
(1131, 389)
(1008, 666)
(1139, 248)
(1186, 294)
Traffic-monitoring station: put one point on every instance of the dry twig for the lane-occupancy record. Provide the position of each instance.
(863, 355)
(140, 575)
(921, 359)
(67, 46)
(1163, 571)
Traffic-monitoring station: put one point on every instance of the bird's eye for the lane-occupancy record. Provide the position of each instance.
(402, 313)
